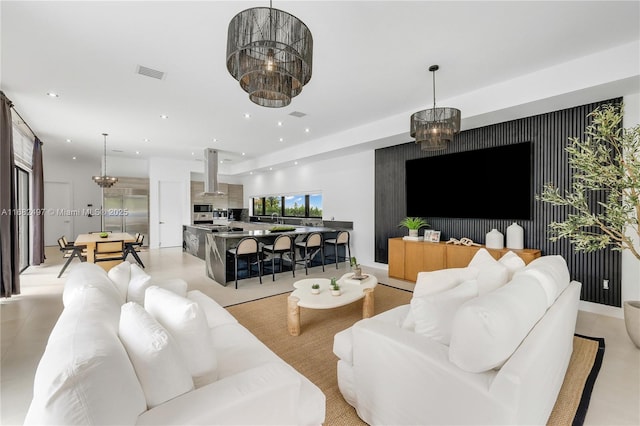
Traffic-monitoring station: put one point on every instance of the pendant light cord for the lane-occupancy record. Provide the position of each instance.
(105, 153)
(434, 89)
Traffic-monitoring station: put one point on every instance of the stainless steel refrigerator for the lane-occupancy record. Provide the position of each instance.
(127, 210)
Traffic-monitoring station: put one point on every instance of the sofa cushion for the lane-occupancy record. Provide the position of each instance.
(138, 284)
(121, 275)
(432, 282)
(491, 274)
(512, 262)
(154, 354)
(187, 323)
(552, 273)
(88, 274)
(433, 315)
(488, 329)
(216, 314)
(84, 376)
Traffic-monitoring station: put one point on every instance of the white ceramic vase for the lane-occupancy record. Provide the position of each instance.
(515, 236)
(494, 239)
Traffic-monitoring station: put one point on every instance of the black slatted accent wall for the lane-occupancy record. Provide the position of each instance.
(549, 134)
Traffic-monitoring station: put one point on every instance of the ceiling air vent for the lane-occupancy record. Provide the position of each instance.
(298, 114)
(150, 72)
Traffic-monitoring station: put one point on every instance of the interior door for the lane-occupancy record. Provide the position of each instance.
(170, 213)
(57, 201)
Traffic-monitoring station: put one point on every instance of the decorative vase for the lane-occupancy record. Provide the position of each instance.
(494, 239)
(315, 291)
(335, 292)
(357, 271)
(515, 236)
(413, 232)
(632, 320)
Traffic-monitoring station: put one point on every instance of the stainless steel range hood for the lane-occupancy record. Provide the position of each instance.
(211, 172)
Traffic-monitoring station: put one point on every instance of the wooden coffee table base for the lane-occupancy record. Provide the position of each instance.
(293, 310)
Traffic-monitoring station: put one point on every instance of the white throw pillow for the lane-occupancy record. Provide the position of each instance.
(154, 354)
(138, 284)
(216, 314)
(488, 329)
(553, 274)
(121, 275)
(433, 315)
(187, 323)
(491, 274)
(87, 274)
(432, 282)
(512, 262)
(176, 285)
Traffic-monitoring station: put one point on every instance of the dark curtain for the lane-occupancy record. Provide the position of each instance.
(38, 203)
(9, 253)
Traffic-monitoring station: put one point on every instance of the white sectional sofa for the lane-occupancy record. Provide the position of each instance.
(488, 344)
(111, 360)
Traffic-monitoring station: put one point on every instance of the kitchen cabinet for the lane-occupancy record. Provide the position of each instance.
(232, 198)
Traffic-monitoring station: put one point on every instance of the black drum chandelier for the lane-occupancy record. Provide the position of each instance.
(269, 52)
(434, 128)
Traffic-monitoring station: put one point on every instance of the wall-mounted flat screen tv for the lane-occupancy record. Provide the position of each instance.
(491, 183)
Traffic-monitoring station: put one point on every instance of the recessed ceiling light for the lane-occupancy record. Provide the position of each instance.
(295, 162)
(270, 168)
(68, 140)
(215, 140)
(243, 153)
(247, 115)
(137, 152)
(279, 123)
(307, 130)
(193, 153)
(53, 95)
(250, 173)
(73, 158)
(281, 139)
(147, 140)
(164, 116)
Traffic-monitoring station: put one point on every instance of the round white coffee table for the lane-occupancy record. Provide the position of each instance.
(351, 290)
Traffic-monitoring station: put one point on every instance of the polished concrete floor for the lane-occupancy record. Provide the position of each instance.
(28, 318)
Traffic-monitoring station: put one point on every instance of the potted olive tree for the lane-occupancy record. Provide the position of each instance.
(413, 224)
(606, 159)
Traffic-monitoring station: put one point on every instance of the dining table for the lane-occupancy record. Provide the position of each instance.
(89, 241)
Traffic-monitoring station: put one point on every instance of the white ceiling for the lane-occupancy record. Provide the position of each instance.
(370, 62)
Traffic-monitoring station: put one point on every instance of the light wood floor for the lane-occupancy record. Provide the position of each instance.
(28, 318)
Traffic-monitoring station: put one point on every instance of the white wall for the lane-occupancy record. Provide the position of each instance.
(347, 187)
(84, 190)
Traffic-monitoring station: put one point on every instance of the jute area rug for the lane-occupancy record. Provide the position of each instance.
(311, 353)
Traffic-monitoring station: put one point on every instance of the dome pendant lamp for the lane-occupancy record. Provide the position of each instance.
(434, 128)
(269, 52)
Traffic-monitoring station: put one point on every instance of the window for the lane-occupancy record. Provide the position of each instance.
(273, 205)
(295, 205)
(298, 205)
(315, 205)
(258, 206)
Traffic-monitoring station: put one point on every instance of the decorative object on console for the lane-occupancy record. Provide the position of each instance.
(105, 181)
(494, 239)
(269, 52)
(434, 128)
(434, 237)
(463, 242)
(413, 224)
(515, 236)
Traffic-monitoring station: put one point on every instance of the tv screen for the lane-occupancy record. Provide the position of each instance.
(491, 183)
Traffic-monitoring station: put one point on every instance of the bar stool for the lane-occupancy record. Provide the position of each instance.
(309, 247)
(282, 244)
(247, 247)
(341, 239)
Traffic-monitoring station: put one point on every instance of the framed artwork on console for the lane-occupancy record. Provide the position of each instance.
(434, 236)
(427, 235)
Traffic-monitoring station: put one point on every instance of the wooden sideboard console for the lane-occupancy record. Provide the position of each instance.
(407, 258)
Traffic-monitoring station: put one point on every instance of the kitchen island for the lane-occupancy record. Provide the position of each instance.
(194, 237)
(220, 264)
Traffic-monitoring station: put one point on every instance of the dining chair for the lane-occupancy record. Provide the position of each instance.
(108, 251)
(309, 247)
(281, 245)
(134, 247)
(341, 239)
(246, 248)
(70, 252)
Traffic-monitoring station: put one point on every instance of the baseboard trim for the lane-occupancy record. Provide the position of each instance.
(597, 308)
